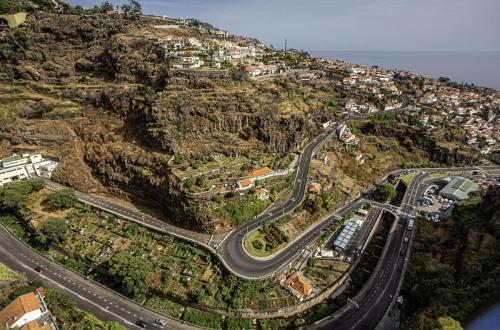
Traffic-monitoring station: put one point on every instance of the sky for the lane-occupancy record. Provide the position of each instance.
(392, 25)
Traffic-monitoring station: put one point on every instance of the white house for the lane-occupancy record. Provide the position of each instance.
(351, 105)
(188, 62)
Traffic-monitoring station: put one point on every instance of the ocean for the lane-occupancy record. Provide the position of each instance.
(486, 320)
(479, 68)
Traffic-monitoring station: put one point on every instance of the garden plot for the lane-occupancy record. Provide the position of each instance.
(324, 272)
(181, 271)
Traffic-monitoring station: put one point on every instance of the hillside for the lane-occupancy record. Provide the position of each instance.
(13, 6)
(104, 92)
(454, 268)
(96, 91)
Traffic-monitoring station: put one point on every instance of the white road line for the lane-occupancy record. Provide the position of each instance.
(81, 297)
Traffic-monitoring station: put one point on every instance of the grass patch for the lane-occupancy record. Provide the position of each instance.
(267, 248)
(242, 208)
(407, 179)
(236, 323)
(7, 274)
(207, 320)
(437, 175)
(164, 306)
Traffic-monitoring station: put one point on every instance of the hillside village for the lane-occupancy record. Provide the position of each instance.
(433, 102)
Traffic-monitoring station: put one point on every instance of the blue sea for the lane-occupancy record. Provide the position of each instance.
(487, 320)
(480, 68)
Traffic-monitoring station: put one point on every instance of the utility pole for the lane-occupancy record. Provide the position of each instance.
(286, 41)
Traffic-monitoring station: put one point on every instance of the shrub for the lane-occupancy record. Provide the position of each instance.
(132, 273)
(205, 319)
(14, 195)
(54, 231)
(257, 244)
(385, 192)
(61, 199)
(237, 323)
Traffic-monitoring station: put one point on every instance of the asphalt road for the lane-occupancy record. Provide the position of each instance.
(373, 301)
(102, 302)
(230, 248)
(376, 297)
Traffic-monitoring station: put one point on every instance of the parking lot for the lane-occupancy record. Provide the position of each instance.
(434, 207)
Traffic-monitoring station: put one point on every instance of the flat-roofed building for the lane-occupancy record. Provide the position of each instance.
(21, 167)
(343, 240)
(458, 189)
(15, 160)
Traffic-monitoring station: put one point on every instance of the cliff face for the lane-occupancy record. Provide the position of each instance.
(490, 208)
(440, 147)
(97, 92)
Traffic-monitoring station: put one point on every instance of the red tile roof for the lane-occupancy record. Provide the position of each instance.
(260, 172)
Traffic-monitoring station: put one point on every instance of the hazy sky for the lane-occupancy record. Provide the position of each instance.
(346, 24)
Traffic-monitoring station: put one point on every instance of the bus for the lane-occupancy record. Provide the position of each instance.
(410, 224)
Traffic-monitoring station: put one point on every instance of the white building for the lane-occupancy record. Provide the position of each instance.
(28, 311)
(17, 167)
(188, 62)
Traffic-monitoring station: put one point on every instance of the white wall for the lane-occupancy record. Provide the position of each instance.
(28, 317)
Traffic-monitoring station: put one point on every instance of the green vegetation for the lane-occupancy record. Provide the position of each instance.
(272, 324)
(385, 117)
(71, 263)
(208, 320)
(61, 199)
(238, 323)
(454, 261)
(10, 222)
(133, 274)
(265, 241)
(164, 306)
(71, 318)
(243, 208)
(14, 195)
(407, 179)
(385, 192)
(30, 287)
(53, 231)
(7, 274)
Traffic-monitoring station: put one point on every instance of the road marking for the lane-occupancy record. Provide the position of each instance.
(80, 297)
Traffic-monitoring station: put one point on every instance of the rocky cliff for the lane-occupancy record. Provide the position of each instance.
(440, 146)
(97, 92)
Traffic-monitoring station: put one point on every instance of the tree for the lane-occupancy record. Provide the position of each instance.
(314, 204)
(133, 9)
(447, 323)
(106, 6)
(61, 199)
(57, 298)
(385, 192)
(54, 231)
(132, 273)
(15, 195)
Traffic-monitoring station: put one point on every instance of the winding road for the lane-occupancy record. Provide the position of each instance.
(370, 304)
